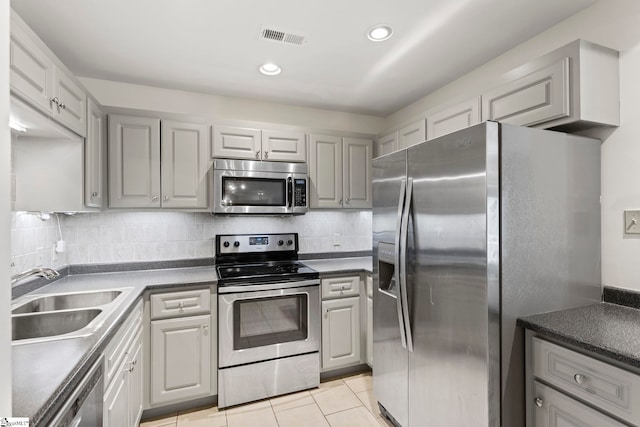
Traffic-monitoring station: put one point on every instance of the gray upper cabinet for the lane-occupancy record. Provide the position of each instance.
(134, 162)
(356, 175)
(285, 146)
(231, 142)
(453, 118)
(412, 134)
(386, 144)
(325, 171)
(94, 160)
(571, 88)
(340, 172)
(184, 164)
(39, 78)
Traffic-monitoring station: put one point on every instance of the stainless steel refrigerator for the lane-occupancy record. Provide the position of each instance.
(470, 231)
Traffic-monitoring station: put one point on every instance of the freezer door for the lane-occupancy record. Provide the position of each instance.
(390, 360)
(452, 281)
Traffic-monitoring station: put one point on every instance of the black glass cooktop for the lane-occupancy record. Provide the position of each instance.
(264, 271)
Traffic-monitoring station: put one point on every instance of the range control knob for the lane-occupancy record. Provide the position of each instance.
(236, 244)
(225, 244)
(280, 242)
(289, 242)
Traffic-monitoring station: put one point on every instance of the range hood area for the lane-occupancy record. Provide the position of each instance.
(47, 163)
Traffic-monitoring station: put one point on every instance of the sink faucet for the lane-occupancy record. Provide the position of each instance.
(48, 273)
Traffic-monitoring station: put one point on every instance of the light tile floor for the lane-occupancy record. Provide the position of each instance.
(343, 402)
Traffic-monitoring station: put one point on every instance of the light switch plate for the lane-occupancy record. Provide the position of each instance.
(632, 222)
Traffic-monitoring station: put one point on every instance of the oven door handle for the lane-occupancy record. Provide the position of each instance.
(290, 191)
(239, 288)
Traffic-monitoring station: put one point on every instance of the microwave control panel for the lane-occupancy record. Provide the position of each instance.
(299, 192)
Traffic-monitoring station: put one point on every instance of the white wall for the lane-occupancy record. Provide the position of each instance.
(125, 95)
(615, 24)
(5, 167)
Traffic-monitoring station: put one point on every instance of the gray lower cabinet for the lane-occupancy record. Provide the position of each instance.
(122, 402)
(341, 322)
(180, 347)
(554, 409)
(569, 388)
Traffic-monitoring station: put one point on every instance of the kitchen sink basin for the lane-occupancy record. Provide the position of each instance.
(67, 301)
(49, 324)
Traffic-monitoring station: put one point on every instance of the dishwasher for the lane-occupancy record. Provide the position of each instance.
(84, 407)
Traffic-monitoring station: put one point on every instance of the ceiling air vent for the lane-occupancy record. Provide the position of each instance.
(280, 36)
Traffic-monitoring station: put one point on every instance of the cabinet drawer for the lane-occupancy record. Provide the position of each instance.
(556, 409)
(605, 386)
(115, 352)
(339, 287)
(178, 304)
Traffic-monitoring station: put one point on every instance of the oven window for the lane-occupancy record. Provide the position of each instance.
(272, 320)
(254, 191)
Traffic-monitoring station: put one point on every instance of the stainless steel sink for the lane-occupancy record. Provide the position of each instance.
(53, 323)
(67, 301)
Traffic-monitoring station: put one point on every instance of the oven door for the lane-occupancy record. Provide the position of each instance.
(252, 192)
(267, 324)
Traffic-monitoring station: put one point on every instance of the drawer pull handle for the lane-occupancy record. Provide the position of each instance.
(538, 402)
(181, 306)
(580, 379)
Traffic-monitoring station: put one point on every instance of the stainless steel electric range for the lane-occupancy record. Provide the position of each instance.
(269, 318)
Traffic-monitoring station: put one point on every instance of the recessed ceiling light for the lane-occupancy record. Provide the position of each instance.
(270, 69)
(380, 33)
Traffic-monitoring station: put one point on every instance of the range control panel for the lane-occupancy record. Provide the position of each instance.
(251, 243)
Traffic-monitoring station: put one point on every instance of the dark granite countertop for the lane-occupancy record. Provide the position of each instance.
(606, 329)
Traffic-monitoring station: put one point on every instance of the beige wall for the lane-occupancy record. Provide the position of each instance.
(5, 167)
(612, 23)
(125, 95)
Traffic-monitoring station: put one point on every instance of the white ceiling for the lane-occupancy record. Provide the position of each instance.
(213, 46)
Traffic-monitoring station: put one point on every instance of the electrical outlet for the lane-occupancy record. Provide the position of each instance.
(632, 222)
(337, 239)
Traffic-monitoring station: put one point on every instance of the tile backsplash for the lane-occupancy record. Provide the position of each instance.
(157, 236)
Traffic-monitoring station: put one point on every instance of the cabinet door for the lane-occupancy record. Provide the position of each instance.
(72, 108)
(93, 160)
(453, 118)
(135, 380)
(31, 70)
(236, 143)
(285, 146)
(134, 162)
(340, 333)
(180, 359)
(325, 171)
(184, 165)
(554, 409)
(387, 144)
(370, 332)
(357, 154)
(115, 411)
(539, 97)
(412, 134)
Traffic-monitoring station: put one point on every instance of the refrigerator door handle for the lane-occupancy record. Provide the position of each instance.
(404, 231)
(397, 263)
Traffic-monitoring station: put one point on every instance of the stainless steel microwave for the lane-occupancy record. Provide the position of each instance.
(253, 187)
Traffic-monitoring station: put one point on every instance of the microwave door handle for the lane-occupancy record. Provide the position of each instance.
(289, 191)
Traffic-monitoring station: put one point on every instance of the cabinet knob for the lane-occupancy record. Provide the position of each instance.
(55, 100)
(63, 106)
(340, 201)
(347, 201)
(154, 198)
(205, 329)
(94, 194)
(580, 379)
(258, 154)
(538, 402)
(266, 154)
(181, 306)
(165, 198)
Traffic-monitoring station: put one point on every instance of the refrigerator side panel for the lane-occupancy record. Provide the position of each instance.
(550, 197)
(390, 360)
(449, 369)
